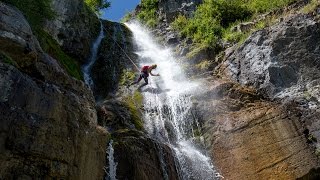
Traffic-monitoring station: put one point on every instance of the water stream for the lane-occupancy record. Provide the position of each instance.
(86, 69)
(111, 170)
(168, 107)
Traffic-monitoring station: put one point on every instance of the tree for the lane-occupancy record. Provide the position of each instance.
(97, 5)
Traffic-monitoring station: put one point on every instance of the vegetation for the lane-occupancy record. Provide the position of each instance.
(97, 5)
(50, 46)
(311, 6)
(35, 11)
(148, 12)
(127, 17)
(127, 77)
(134, 104)
(6, 59)
(213, 20)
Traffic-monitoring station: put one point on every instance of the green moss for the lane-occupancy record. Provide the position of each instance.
(127, 77)
(134, 104)
(50, 46)
(6, 59)
(36, 11)
(311, 6)
(203, 65)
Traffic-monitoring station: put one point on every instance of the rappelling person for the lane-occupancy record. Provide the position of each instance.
(145, 71)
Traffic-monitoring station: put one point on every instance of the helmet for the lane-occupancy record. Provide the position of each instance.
(154, 66)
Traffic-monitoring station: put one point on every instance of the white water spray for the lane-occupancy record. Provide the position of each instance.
(111, 171)
(93, 57)
(168, 107)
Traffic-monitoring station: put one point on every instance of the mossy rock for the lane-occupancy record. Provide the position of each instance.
(6, 59)
(50, 46)
(134, 104)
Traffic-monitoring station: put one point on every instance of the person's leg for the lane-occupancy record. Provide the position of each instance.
(138, 80)
(145, 81)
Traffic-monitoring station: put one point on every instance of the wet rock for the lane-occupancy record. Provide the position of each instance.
(112, 60)
(75, 27)
(279, 58)
(140, 157)
(171, 9)
(48, 119)
(249, 134)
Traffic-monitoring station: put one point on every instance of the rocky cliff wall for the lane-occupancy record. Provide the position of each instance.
(74, 27)
(260, 117)
(48, 119)
(267, 129)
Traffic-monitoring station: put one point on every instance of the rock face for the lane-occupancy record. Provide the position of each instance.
(140, 157)
(249, 134)
(283, 58)
(112, 60)
(172, 8)
(48, 119)
(75, 27)
(266, 127)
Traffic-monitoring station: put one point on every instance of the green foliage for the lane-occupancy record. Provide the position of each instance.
(311, 6)
(203, 65)
(127, 77)
(134, 104)
(127, 17)
(213, 19)
(97, 5)
(260, 6)
(6, 59)
(148, 12)
(36, 11)
(50, 46)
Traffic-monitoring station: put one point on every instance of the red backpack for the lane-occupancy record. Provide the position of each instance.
(145, 69)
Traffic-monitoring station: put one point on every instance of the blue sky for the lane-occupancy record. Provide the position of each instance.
(118, 9)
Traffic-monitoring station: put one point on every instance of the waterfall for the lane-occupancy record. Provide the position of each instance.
(111, 171)
(92, 59)
(168, 107)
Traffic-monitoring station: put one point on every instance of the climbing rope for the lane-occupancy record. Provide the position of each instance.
(122, 50)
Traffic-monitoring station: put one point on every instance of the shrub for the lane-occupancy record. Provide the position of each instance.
(148, 12)
(97, 5)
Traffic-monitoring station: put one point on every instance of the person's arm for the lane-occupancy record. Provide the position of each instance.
(151, 73)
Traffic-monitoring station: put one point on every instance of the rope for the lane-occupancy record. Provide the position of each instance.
(122, 50)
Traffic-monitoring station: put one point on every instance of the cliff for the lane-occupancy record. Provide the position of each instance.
(48, 119)
(259, 109)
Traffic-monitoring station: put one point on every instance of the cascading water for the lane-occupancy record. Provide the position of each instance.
(92, 59)
(111, 170)
(168, 107)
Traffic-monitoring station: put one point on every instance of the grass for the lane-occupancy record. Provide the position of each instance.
(311, 6)
(203, 65)
(50, 46)
(213, 20)
(127, 77)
